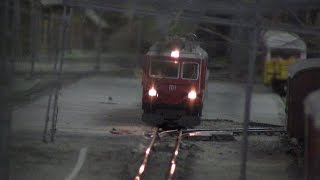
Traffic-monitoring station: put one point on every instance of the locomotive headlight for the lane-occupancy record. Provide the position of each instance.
(175, 53)
(192, 95)
(152, 92)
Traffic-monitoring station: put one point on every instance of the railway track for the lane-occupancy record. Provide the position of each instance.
(150, 151)
(186, 133)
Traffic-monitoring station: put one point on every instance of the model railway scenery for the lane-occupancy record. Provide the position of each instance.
(152, 90)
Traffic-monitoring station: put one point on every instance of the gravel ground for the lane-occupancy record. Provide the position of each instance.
(107, 157)
(267, 159)
(119, 157)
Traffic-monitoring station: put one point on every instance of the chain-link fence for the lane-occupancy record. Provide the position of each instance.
(59, 38)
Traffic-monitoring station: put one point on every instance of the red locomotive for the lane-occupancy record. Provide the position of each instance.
(174, 82)
(312, 135)
(304, 78)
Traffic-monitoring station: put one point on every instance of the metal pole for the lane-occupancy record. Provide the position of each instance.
(44, 139)
(5, 110)
(248, 96)
(54, 112)
(33, 37)
(50, 42)
(66, 20)
(37, 31)
(5, 125)
(139, 31)
(98, 46)
(4, 40)
(81, 32)
(15, 51)
(58, 65)
(63, 31)
(52, 52)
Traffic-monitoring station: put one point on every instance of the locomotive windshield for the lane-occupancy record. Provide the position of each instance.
(164, 69)
(190, 71)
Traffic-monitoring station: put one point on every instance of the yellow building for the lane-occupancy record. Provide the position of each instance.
(282, 49)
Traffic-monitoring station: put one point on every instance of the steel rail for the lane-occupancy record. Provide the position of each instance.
(236, 130)
(162, 133)
(174, 157)
(146, 156)
(175, 152)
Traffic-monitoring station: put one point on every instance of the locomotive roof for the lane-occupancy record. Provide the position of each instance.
(283, 40)
(187, 50)
(312, 106)
(303, 65)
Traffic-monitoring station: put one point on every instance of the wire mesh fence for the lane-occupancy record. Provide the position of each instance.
(82, 37)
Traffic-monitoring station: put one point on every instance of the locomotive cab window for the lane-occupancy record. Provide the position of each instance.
(164, 69)
(190, 71)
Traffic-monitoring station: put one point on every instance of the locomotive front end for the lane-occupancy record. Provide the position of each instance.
(172, 88)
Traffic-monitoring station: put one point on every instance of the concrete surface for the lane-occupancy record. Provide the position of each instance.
(226, 101)
(86, 105)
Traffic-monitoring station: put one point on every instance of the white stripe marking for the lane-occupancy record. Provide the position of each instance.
(77, 167)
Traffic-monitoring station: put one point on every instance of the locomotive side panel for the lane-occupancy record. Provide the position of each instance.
(312, 135)
(299, 87)
(304, 78)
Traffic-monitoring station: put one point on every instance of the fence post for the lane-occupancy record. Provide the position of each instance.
(5, 80)
(138, 49)
(16, 40)
(32, 37)
(54, 95)
(248, 96)
(98, 45)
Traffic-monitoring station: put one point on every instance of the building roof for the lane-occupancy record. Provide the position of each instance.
(283, 40)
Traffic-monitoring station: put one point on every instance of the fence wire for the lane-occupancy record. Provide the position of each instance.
(88, 36)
